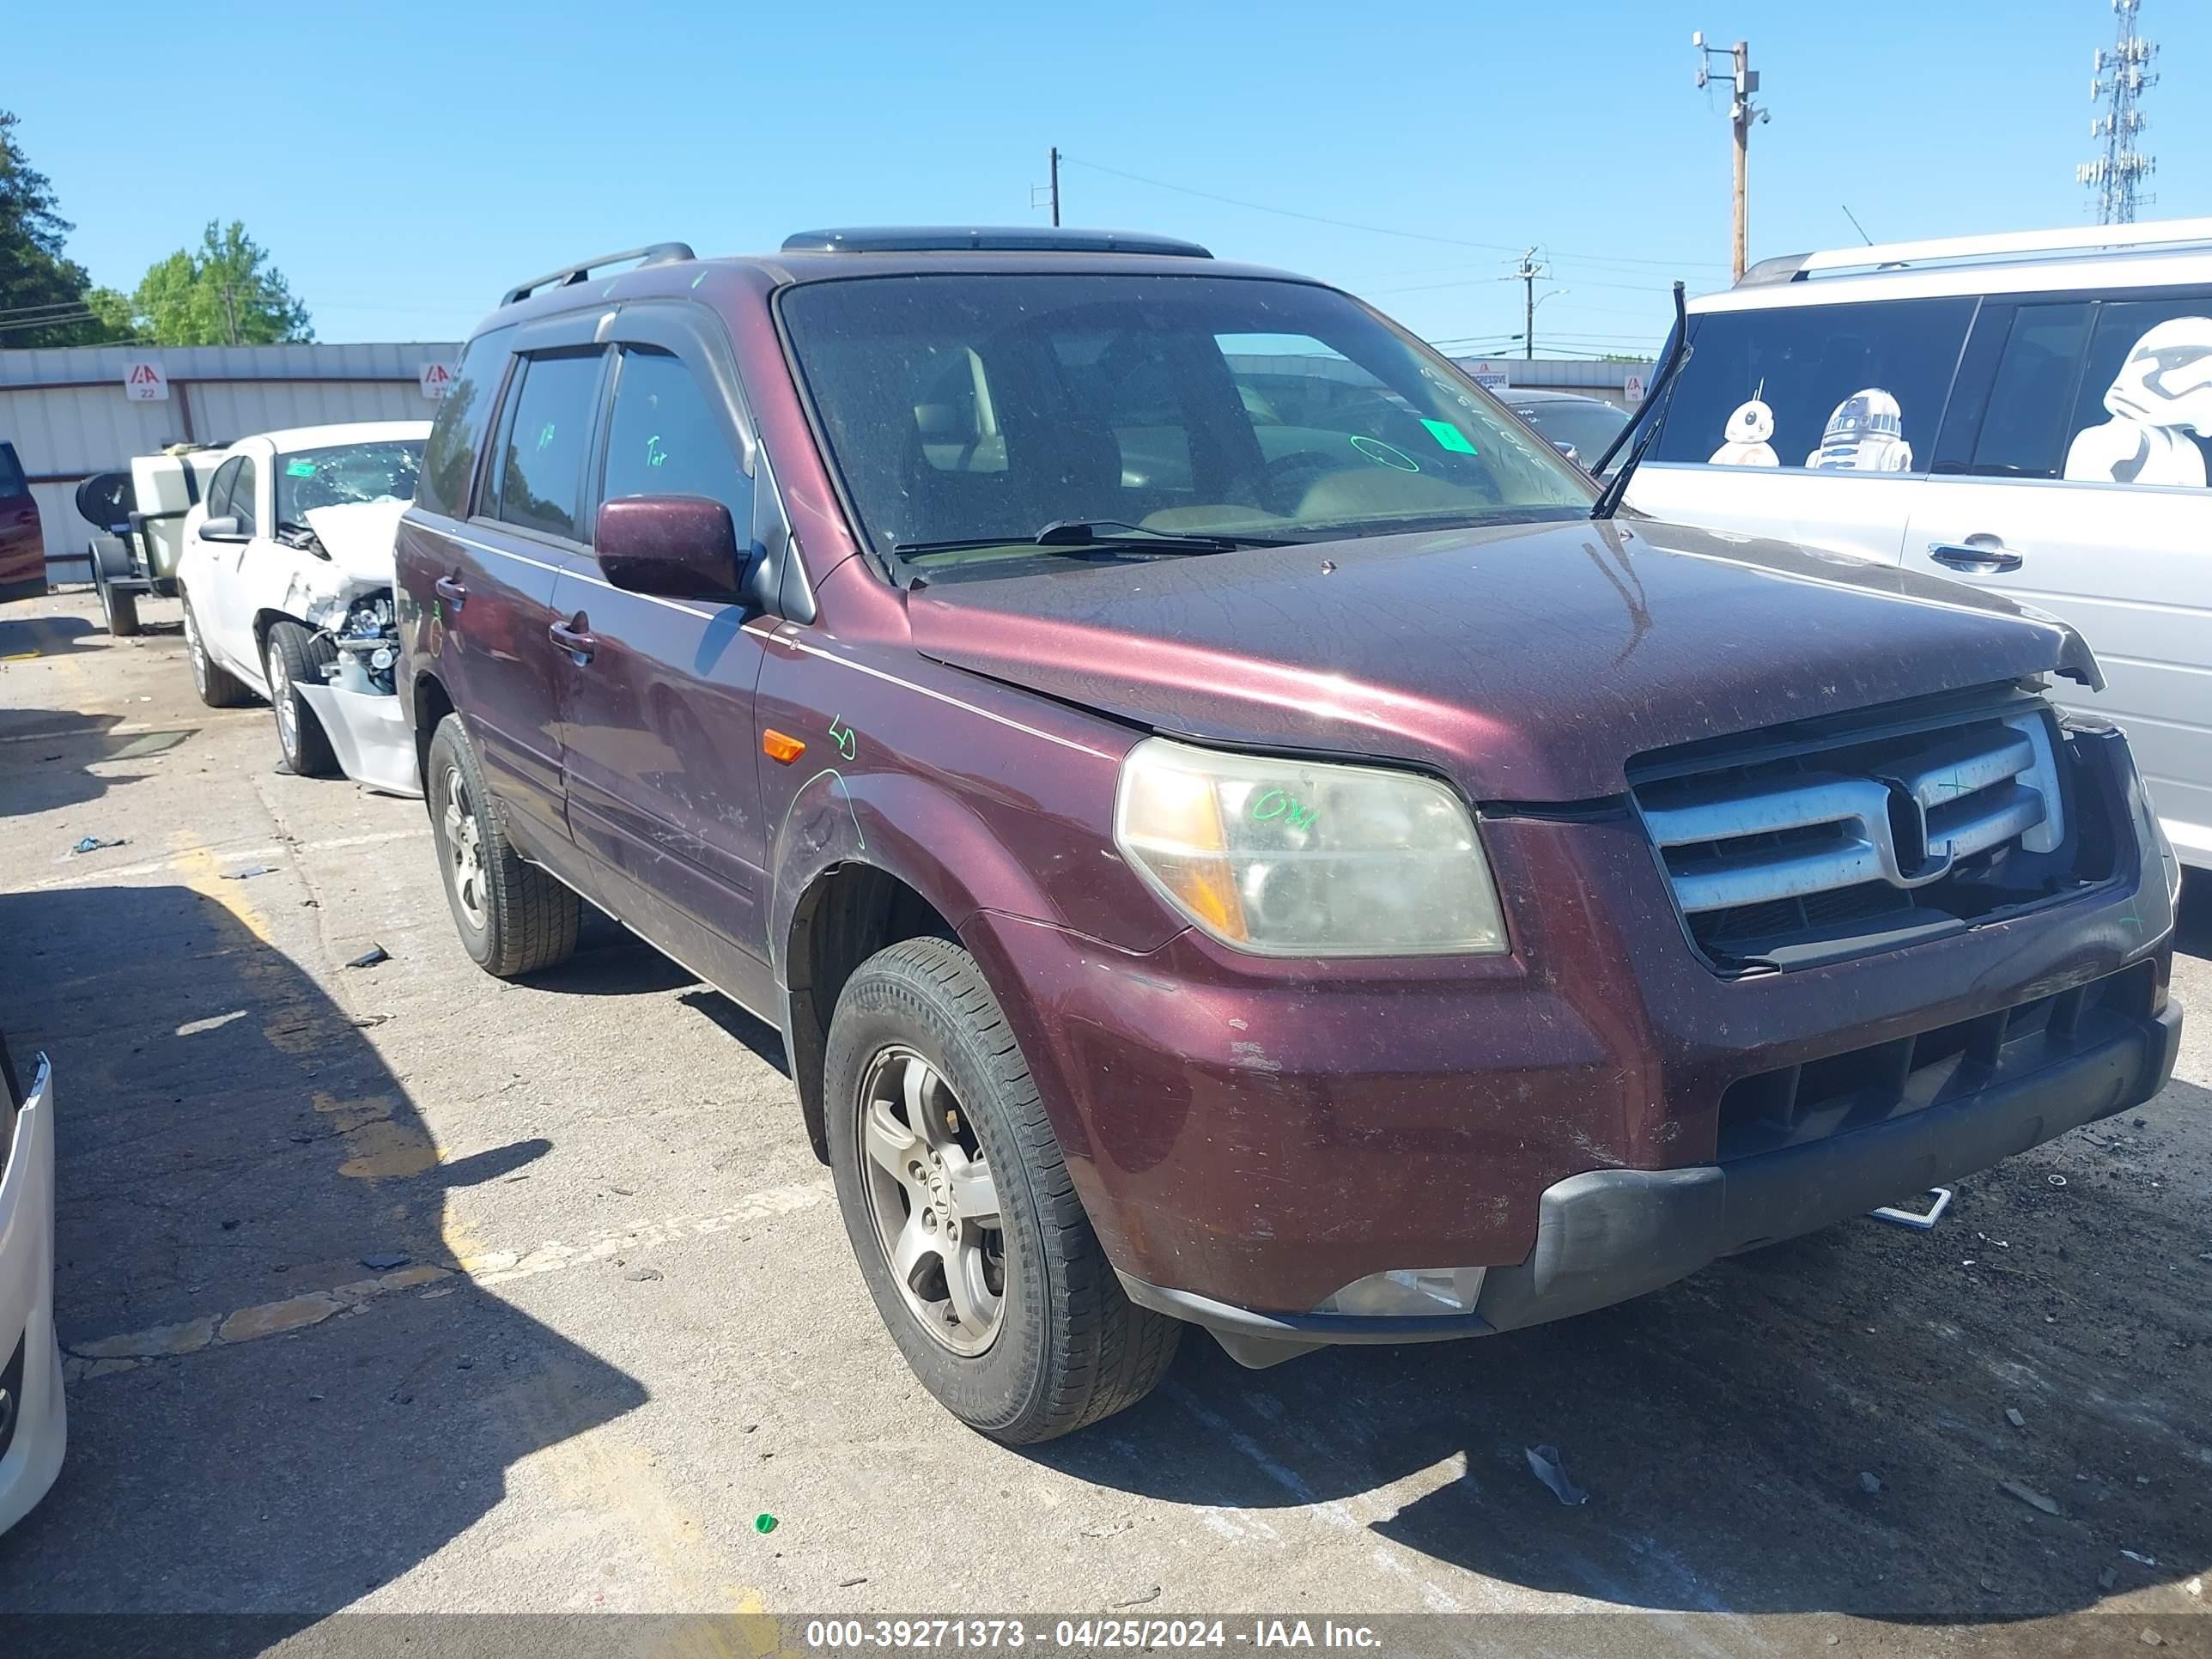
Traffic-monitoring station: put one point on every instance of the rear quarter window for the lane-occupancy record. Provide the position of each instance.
(11, 473)
(1841, 388)
(449, 459)
(2143, 415)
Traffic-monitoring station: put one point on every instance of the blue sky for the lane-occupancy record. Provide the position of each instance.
(404, 163)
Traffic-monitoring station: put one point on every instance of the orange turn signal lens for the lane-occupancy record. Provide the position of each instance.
(780, 746)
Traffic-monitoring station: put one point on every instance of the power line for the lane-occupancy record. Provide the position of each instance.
(1347, 224)
(2117, 176)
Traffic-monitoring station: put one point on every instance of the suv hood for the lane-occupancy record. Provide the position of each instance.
(1530, 662)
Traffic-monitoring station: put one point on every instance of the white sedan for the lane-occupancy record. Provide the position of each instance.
(33, 1419)
(286, 575)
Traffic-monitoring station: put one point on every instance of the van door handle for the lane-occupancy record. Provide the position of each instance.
(1980, 556)
(452, 590)
(579, 641)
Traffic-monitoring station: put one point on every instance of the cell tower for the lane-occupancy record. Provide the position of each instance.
(2122, 72)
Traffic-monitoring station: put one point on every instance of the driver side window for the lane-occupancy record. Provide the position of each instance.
(218, 496)
(241, 497)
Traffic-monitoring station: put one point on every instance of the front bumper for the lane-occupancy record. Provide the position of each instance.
(369, 735)
(35, 1421)
(1607, 1235)
(1252, 1135)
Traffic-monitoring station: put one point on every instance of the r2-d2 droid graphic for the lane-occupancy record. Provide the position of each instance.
(1865, 434)
(2162, 394)
(1747, 435)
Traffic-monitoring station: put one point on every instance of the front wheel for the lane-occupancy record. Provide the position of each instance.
(970, 1235)
(294, 657)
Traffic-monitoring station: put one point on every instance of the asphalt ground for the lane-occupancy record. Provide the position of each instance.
(400, 1290)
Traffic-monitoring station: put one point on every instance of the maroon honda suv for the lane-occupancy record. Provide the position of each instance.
(1233, 829)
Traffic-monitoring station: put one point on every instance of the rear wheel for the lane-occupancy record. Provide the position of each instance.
(294, 657)
(969, 1236)
(218, 688)
(512, 916)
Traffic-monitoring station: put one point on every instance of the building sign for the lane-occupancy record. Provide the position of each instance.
(1631, 388)
(1492, 377)
(145, 381)
(436, 380)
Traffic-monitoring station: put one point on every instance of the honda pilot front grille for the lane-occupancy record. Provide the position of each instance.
(1785, 852)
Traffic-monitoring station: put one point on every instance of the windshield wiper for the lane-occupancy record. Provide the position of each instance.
(1099, 532)
(1654, 415)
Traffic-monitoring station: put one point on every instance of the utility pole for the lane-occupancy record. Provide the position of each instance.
(2121, 75)
(1055, 186)
(1744, 82)
(230, 307)
(1529, 271)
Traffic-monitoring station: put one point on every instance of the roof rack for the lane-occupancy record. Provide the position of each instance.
(653, 253)
(2083, 239)
(999, 238)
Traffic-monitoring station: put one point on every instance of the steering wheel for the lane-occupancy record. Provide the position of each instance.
(1287, 477)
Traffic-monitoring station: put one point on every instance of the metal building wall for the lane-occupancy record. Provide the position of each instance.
(65, 411)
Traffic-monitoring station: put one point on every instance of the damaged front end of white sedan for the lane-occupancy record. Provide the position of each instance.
(347, 601)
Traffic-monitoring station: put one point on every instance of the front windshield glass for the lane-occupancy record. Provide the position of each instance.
(381, 471)
(1587, 424)
(977, 409)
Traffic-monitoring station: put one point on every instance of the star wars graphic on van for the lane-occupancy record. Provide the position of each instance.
(2161, 396)
(1865, 434)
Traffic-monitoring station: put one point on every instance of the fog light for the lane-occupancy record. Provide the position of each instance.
(1404, 1292)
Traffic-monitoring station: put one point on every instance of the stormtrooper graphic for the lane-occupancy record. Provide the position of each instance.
(2162, 394)
(1745, 436)
(1865, 434)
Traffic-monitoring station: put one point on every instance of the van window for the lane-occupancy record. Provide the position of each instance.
(2144, 415)
(541, 469)
(450, 457)
(11, 473)
(2024, 429)
(1843, 388)
(665, 438)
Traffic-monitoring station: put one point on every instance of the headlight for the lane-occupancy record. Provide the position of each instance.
(1303, 859)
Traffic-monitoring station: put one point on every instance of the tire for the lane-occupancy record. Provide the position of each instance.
(121, 610)
(292, 656)
(218, 687)
(1064, 1346)
(513, 917)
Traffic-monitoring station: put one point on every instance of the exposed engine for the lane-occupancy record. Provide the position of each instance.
(367, 641)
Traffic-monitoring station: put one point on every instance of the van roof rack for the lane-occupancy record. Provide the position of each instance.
(653, 253)
(2011, 245)
(994, 239)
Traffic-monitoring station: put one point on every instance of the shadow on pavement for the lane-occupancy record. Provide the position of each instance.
(45, 754)
(1721, 1427)
(47, 636)
(234, 1158)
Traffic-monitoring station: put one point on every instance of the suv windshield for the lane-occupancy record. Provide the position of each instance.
(967, 412)
(379, 471)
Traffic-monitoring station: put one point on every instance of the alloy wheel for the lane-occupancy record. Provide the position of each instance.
(463, 847)
(934, 1203)
(196, 651)
(287, 706)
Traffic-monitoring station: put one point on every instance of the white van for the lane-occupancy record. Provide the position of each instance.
(2031, 413)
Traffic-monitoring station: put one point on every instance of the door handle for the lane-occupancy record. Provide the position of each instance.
(578, 640)
(451, 591)
(1980, 556)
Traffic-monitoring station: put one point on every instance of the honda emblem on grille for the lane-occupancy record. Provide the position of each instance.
(1908, 833)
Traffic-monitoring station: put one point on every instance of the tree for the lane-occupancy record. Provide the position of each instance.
(46, 297)
(226, 292)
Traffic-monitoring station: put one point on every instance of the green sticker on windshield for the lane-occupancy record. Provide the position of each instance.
(1449, 436)
(300, 470)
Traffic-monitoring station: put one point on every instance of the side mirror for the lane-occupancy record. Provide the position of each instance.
(675, 547)
(224, 528)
